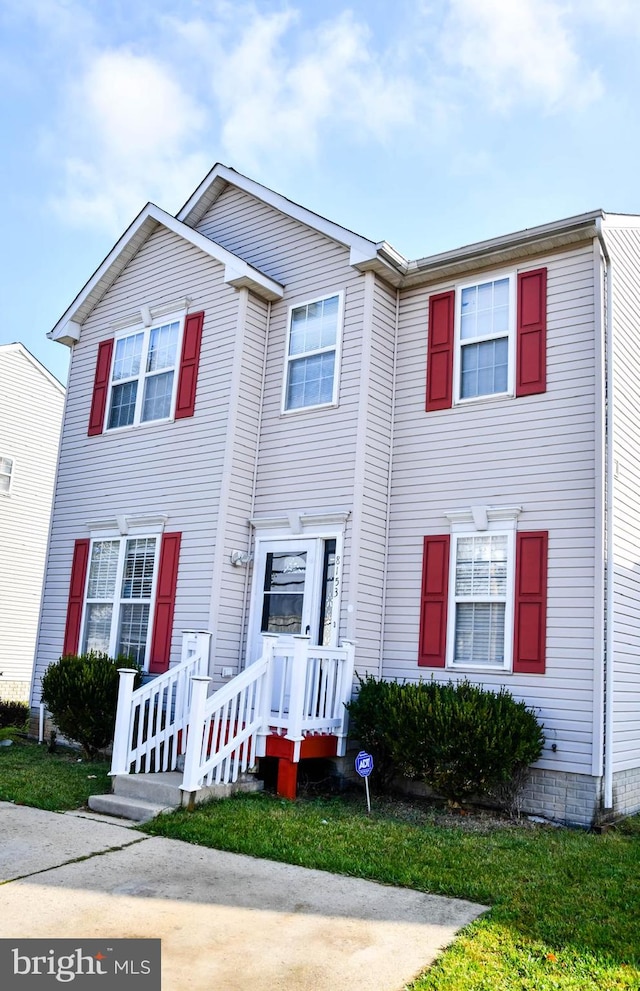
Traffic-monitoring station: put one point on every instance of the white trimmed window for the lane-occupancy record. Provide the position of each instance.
(485, 338)
(6, 472)
(120, 592)
(144, 375)
(313, 353)
(482, 598)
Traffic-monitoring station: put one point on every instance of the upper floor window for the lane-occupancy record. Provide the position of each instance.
(313, 344)
(485, 339)
(6, 471)
(143, 378)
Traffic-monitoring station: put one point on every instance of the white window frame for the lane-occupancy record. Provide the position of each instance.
(336, 349)
(117, 534)
(142, 375)
(479, 522)
(511, 339)
(8, 474)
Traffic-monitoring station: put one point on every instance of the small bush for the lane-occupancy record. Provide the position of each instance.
(81, 693)
(461, 739)
(13, 714)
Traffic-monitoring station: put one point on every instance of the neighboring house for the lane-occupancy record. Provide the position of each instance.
(31, 406)
(277, 425)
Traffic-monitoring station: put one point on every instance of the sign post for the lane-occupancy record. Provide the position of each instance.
(364, 767)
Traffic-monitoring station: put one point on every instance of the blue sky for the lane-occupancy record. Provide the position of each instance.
(428, 123)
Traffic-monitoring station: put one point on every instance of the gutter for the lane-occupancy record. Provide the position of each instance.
(609, 530)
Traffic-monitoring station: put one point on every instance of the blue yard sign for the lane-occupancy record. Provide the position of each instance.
(364, 767)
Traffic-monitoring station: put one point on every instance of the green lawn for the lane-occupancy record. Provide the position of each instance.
(565, 905)
(30, 775)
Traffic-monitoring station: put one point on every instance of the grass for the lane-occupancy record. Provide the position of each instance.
(565, 904)
(30, 775)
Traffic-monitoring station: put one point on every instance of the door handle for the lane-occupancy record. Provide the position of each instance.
(307, 631)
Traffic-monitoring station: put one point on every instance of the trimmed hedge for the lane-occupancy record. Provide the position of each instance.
(459, 738)
(13, 714)
(81, 693)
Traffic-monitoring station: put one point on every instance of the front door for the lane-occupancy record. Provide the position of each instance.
(294, 591)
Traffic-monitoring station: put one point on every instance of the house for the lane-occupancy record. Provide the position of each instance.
(31, 405)
(287, 439)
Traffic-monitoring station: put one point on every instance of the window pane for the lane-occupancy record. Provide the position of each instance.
(163, 343)
(479, 635)
(137, 579)
(132, 636)
(481, 566)
(157, 396)
(311, 381)
(328, 589)
(285, 571)
(128, 355)
(103, 569)
(314, 326)
(282, 613)
(98, 627)
(485, 368)
(123, 404)
(484, 309)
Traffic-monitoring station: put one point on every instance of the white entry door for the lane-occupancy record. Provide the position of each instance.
(294, 591)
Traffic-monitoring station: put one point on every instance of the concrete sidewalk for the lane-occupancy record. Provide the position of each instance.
(227, 922)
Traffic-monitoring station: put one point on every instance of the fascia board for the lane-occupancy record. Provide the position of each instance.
(65, 331)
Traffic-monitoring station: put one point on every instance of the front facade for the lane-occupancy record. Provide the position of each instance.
(31, 407)
(277, 426)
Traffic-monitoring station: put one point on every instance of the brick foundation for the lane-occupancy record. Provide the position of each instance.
(15, 691)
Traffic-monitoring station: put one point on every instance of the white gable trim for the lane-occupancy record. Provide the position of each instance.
(362, 251)
(237, 273)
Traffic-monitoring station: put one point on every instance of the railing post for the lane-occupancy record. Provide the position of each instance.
(345, 696)
(197, 642)
(269, 641)
(296, 696)
(122, 731)
(195, 728)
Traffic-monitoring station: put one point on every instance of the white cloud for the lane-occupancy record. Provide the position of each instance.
(131, 129)
(519, 50)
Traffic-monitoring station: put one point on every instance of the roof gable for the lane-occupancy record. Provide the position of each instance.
(19, 348)
(237, 272)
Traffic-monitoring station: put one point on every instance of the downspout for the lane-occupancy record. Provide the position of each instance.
(609, 527)
(385, 564)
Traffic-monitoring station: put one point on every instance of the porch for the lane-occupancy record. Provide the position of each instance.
(289, 705)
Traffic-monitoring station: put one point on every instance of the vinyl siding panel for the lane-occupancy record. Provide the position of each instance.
(171, 468)
(624, 247)
(30, 420)
(536, 452)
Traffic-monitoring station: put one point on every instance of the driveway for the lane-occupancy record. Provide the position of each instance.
(226, 921)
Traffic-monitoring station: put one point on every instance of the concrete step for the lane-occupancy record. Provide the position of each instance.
(161, 789)
(124, 807)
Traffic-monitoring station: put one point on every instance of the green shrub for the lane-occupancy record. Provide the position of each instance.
(461, 739)
(13, 714)
(81, 694)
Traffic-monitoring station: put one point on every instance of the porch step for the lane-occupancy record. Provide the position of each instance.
(143, 796)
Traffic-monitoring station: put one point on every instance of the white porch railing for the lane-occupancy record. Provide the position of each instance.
(294, 691)
(152, 721)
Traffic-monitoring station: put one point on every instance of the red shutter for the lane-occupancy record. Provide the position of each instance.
(440, 351)
(531, 357)
(433, 606)
(76, 597)
(530, 621)
(100, 388)
(165, 603)
(188, 377)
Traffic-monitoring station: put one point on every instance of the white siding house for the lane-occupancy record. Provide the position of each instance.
(31, 405)
(275, 425)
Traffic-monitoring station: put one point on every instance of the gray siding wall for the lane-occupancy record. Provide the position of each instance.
(173, 468)
(537, 452)
(30, 420)
(624, 248)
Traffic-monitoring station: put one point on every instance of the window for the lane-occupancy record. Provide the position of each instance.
(481, 600)
(484, 594)
(6, 471)
(488, 338)
(143, 377)
(119, 594)
(485, 335)
(311, 376)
